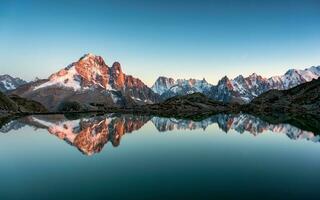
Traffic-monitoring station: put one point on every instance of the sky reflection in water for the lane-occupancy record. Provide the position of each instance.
(224, 156)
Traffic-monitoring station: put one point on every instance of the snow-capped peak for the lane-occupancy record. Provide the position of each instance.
(91, 75)
(315, 70)
(89, 71)
(8, 82)
(87, 55)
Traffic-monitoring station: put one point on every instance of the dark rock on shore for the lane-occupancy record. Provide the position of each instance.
(14, 104)
(7, 104)
(189, 105)
(26, 105)
(300, 100)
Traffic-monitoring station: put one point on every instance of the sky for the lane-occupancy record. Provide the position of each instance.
(173, 38)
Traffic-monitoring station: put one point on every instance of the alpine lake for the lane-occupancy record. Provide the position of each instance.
(113, 156)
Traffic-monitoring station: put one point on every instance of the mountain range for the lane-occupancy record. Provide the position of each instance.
(240, 89)
(89, 81)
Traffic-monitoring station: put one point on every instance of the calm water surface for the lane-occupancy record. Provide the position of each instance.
(139, 157)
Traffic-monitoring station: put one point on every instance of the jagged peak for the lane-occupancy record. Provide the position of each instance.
(224, 78)
(314, 69)
(116, 65)
(253, 75)
(291, 71)
(6, 75)
(240, 77)
(163, 78)
(91, 56)
(87, 55)
(256, 76)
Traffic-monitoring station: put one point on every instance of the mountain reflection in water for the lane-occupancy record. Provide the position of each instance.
(90, 134)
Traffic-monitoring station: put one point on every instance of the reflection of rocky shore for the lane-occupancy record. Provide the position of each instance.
(90, 134)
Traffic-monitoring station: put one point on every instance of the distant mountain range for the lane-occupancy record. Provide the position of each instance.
(240, 89)
(90, 81)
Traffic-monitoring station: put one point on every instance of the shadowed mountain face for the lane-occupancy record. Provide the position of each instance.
(7, 104)
(302, 99)
(15, 104)
(91, 134)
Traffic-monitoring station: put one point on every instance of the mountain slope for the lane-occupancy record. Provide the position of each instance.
(8, 83)
(16, 104)
(6, 104)
(89, 80)
(302, 99)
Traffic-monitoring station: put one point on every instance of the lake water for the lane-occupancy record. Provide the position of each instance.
(139, 157)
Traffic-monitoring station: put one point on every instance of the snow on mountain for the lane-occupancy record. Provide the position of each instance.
(168, 87)
(294, 77)
(89, 80)
(70, 79)
(240, 89)
(245, 89)
(163, 84)
(8, 83)
(89, 71)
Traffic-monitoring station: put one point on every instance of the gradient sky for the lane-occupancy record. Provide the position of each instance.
(179, 39)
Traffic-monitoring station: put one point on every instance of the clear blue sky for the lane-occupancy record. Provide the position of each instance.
(180, 39)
